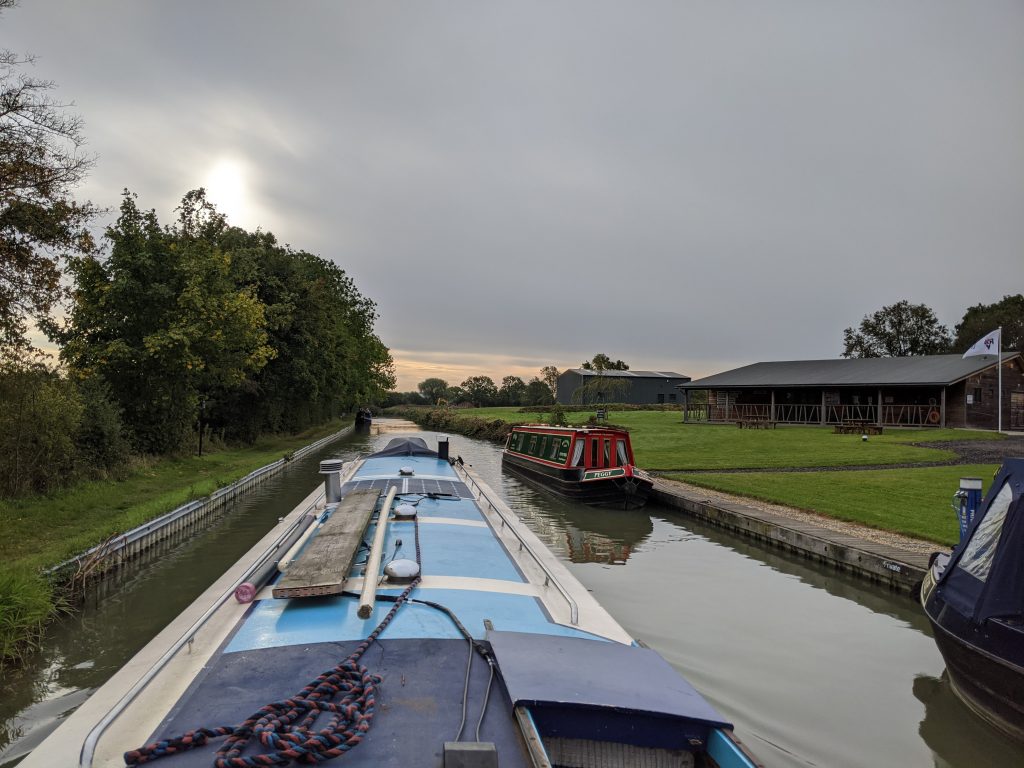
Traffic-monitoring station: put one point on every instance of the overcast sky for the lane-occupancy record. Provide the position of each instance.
(687, 186)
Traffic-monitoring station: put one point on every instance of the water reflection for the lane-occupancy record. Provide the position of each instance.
(953, 732)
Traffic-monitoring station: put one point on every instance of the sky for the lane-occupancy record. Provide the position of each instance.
(686, 186)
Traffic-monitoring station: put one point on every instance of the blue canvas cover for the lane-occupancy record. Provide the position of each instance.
(985, 576)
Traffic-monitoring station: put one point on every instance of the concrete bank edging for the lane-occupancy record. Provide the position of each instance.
(896, 569)
(133, 543)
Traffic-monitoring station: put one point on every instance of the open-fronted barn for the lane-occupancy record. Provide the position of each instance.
(932, 390)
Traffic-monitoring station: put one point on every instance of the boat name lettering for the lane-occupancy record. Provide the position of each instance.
(895, 567)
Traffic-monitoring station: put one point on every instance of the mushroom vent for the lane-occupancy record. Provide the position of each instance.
(405, 512)
(406, 471)
(401, 571)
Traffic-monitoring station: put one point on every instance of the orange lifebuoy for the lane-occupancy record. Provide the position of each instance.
(933, 416)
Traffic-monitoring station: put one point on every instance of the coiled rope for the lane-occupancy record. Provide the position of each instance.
(278, 725)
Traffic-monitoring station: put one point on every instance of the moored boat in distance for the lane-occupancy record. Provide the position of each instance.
(434, 629)
(590, 464)
(974, 600)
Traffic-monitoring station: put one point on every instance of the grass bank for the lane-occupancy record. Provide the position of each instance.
(912, 499)
(914, 502)
(41, 531)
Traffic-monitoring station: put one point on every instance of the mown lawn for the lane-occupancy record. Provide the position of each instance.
(663, 443)
(915, 502)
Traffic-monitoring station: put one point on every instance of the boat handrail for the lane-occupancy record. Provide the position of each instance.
(549, 577)
(92, 738)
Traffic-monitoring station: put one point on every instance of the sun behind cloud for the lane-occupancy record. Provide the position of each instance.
(226, 186)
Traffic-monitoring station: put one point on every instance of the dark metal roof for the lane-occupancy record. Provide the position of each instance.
(631, 374)
(871, 371)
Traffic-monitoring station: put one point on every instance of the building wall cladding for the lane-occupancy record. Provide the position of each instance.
(643, 389)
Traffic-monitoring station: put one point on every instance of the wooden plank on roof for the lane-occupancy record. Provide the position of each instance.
(328, 556)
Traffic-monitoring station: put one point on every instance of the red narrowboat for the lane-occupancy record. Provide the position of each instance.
(592, 465)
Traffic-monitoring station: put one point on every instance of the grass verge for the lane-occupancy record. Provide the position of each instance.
(41, 531)
(914, 502)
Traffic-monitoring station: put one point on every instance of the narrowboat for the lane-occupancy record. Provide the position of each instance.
(592, 465)
(974, 600)
(401, 616)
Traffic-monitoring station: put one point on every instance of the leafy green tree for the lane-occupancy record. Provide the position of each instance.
(454, 395)
(161, 321)
(538, 393)
(433, 390)
(981, 319)
(41, 162)
(898, 330)
(549, 375)
(601, 362)
(511, 391)
(480, 390)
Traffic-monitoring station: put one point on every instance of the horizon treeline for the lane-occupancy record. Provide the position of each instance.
(192, 324)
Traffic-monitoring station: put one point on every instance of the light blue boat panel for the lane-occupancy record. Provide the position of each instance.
(726, 753)
(454, 550)
(276, 623)
(460, 509)
(390, 466)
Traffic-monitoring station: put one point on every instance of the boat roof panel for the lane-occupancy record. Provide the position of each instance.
(566, 671)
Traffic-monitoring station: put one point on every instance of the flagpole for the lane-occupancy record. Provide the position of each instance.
(999, 346)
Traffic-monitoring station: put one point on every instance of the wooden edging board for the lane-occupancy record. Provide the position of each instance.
(327, 558)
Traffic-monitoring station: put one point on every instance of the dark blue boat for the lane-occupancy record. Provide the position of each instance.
(974, 599)
(454, 639)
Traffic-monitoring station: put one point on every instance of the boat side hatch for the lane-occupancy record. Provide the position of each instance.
(581, 691)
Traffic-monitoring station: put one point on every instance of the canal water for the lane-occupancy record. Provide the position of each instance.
(813, 667)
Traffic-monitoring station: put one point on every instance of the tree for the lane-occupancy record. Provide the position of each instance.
(162, 322)
(898, 330)
(433, 390)
(480, 390)
(981, 319)
(538, 393)
(549, 375)
(601, 362)
(41, 161)
(512, 391)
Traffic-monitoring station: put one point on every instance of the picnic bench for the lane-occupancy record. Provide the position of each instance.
(855, 427)
(756, 424)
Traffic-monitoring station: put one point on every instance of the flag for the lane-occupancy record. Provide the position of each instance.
(988, 345)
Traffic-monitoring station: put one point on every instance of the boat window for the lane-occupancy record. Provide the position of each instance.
(533, 445)
(981, 549)
(553, 453)
(607, 452)
(593, 451)
(577, 452)
(620, 451)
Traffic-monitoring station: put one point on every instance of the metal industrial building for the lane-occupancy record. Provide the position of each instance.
(644, 387)
(932, 390)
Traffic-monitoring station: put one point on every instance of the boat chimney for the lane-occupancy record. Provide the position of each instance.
(442, 447)
(331, 470)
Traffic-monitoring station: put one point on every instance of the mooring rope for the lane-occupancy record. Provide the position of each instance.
(275, 724)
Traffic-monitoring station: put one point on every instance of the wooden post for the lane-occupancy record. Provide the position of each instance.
(942, 407)
(771, 416)
(879, 406)
(823, 407)
(686, 405)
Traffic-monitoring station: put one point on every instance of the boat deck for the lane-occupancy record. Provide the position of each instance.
(282, 644)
